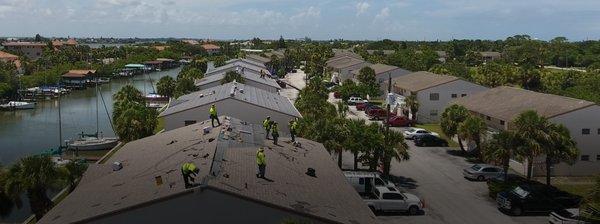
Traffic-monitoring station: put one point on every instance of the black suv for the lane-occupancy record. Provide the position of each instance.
(430, 140)
(535, 198)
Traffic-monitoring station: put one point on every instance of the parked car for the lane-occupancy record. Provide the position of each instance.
(390, 199)
(337, 95)
(363, 105)
(353, 100)
(430, 140)
(371, 107)
(535, 198)
(399, 121)
(412, 132)
(566, 216)
(482, 172)
(378, 113)
(364, 181)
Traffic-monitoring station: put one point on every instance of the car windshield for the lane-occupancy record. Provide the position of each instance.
(521, 192)
(476, 167)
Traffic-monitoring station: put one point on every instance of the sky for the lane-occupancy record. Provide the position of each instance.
(319, 20)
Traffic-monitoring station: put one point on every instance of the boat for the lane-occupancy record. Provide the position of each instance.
(17, 105)
(156, 97)
(103, 80)
(91, 143)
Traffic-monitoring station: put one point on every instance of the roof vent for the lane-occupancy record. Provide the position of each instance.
(201, 95)
(242, 91)
(311, 172)
(116, 166)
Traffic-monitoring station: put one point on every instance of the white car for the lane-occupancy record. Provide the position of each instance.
(353, 100)
(364, 181)
(412, 132)
(566, 216)
(390, 199)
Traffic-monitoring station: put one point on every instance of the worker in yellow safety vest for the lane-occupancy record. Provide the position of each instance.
(275, 132)
(261, 162)
(293, 129)
(267, 125)
(187, 170)
(213, 115)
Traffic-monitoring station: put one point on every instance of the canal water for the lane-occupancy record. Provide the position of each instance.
(29, 132)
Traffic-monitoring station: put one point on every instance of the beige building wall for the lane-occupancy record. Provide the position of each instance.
(430, 110)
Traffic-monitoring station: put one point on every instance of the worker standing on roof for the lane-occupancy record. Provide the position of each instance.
(293, 128)
(213, 115)
(267, 125)
(275, 133)
(187, 170)
(261, 162)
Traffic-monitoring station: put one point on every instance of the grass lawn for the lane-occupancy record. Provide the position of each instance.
(575, 185)
(160, 126)
(438, 129)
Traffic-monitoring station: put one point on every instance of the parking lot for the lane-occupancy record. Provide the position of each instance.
(435, 175)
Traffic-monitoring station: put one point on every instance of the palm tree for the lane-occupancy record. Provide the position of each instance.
(166, 86)
(342, 109)
(230, 76)
(530, 127)
(72, 171)
(451, 118)
(134, 121)
(33, 175)
(395, 148)
(472, 129)
(560, 147)
(501, 148)
(413, 105)
(129, 93)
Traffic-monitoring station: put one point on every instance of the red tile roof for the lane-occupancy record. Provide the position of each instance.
(210, 47)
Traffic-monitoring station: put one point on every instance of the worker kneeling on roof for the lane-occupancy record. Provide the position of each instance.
(187, 170)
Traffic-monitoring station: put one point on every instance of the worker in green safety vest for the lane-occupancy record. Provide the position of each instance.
(267, 125)
(261, 162)
(274, 132)
(187, 171)
(293, 129)
(213, 115)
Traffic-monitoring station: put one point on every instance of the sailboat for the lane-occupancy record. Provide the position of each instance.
(97, 141)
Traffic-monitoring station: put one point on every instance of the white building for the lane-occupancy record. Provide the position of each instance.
(498, 107)
(382, 73)
(245, 102)
(251, 79)
(433, 92)
(149, 188)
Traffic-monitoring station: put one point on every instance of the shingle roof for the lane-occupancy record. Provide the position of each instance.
(251, 95)
(105, 192)
(338, 53)
(238, 63)
(243, 60)
(78, 73)
(247, 75)
(379, 68)
(418, 81)
(506, 103)
(343, 62)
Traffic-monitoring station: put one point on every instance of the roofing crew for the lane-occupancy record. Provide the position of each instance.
(267, 125)
(213, 115)
(275, 132)
(293, 128)
(261, 162)
(187, 170)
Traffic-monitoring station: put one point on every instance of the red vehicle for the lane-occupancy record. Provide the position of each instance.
(362, 105)
(399, 121)
(377, 113)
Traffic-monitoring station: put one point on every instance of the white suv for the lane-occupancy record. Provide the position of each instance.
(353, 100)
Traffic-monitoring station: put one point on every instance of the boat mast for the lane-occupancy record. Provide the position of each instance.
(97, 109)
(59, 121)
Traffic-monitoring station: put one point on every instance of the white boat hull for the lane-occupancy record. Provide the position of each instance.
(17, 106)
(91, 144)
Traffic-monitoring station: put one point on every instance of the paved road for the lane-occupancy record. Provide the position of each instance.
(435, 175)
(296, 79)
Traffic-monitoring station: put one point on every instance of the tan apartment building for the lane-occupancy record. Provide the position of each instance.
(31, 50)
(499, 106)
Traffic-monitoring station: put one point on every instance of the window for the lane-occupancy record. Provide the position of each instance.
(585, 131)
(501, 122)
(189, 122)
(463, 95)
(488, 170)
(585, 157)
(454, 95)
(434, 96)
(392, 196)
(433, 113)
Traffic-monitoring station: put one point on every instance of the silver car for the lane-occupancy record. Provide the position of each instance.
(482, 172)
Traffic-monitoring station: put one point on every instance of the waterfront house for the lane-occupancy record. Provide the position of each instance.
(31, 50)
(153, 65)
(433, 92)
(251, 79)
(167, 63)
(499, 106)
(142, 182)
(78, 79)
(59, 44)
(211, 48)
(246, 102)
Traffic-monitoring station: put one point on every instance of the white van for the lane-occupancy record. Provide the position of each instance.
(363, 181)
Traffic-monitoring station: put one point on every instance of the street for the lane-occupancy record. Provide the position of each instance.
(435, 175)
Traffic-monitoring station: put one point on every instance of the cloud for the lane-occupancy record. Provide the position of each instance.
(384, 13)
(309, 13)
(362, 7)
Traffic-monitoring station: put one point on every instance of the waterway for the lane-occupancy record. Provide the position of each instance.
(29, 132)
